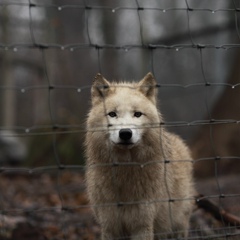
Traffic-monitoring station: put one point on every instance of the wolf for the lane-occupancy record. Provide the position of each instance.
(138, 175)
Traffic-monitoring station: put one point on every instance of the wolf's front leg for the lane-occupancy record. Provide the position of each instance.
(110, 231)
(143, 233)
(106, 236)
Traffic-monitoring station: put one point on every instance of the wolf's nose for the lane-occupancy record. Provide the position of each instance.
(125, 134)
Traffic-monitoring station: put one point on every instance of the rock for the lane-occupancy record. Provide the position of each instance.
(12, 149)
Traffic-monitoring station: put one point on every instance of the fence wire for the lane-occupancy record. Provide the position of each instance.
(48, 200)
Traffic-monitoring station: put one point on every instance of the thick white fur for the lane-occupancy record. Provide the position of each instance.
(144, 189)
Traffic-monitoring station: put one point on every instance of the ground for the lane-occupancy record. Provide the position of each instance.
(54, 205)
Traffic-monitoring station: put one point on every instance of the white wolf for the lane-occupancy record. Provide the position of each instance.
(139, 176)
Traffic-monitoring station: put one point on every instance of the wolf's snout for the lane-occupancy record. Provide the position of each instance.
(125, 134)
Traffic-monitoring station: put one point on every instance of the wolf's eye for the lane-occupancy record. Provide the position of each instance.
(112, 114)
(138, 114)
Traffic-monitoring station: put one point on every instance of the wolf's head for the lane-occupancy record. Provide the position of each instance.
(126, 110)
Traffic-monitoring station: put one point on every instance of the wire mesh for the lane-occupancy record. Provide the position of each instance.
(47, 198)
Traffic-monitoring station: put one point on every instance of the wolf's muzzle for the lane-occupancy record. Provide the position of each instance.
(125, 134)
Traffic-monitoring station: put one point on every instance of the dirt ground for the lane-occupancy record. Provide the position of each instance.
(54, 206)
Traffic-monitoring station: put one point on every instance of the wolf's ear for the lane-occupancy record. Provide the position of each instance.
(147, 86)
(100, 87)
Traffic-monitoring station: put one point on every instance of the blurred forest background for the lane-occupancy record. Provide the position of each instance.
(50, 51)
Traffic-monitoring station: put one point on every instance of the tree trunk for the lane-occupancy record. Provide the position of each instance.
(8, 97)
(221, 142)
